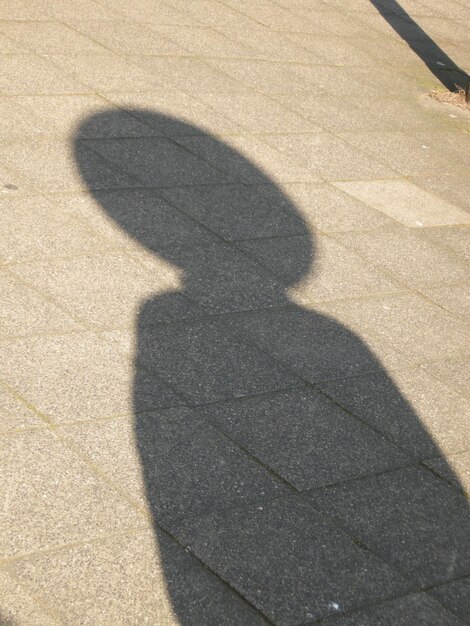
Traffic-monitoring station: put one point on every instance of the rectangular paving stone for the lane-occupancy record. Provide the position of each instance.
(134, 579)
(455, 299)
(455, 468)
(406, 203)
(305, 438)
(102, 291)
(409, 255)
(410, 154)
(418, 413)
(238, 211)
(65, 113)
(47, 166)
(325, 207)
(237, 155)
(77, 377)
(192, 75)
(18, 607)
(333, 49)
(32, 74)
(455, 374)
(337, 271)
(187, 467)
(289, 562)
(328, 157)
(416, 328)
(54, 497)
(457, 239)
(151, 221)
(206, 362)
(320, 108)
(267, 77)
(419, 609)
(452, 186)
(14, 123)
(315, 347)
(198, 40)
(256, 112)
(24, 312)
(15, 414)
(156, 162)
(455, 596)
(50, 38)
(35, 228)
(220, 278)
(173, 113)
(409, 517)
(106, 72)
(126, 37)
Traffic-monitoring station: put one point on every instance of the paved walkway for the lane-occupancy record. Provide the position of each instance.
(235, 286)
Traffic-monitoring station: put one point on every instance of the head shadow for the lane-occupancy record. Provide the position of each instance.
(242, 396)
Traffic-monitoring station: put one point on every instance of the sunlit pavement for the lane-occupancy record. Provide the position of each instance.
(235, 295)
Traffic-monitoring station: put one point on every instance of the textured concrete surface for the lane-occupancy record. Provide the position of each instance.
(234, 322)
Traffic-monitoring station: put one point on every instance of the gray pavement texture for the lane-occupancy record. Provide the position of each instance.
(235, 305)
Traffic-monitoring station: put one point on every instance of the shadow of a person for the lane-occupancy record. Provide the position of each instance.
(290, 465)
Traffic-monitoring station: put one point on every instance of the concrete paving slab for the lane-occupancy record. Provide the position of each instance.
(31, 74)
(24, 312)
(105, 72)
(92, 287)
(237, 212)
(330, 210)
(15, 414)
(124, 37)
(63, 114)
(455, 468)
(418, 608)
(328, 157)
(406, 203)
(14, 123)
(339, 272)
(414, 326)
(409, 154)
(155, 161)
(454, 299)
(69, 378)
(458, 239)
(316, 347)
(34, 229)
(409, 256)
(198, 40)
(424, 417)
(47, 165)
(332, 49)
(290, 582)
(305, 438)
(206, 362)
(279, 168)
(454, 188)
(195, 471)
(256, 113)
(50, 38)
(191, 75)
(123, 579)
(426, 519)
(39, 495)
(455, 596)
(455, 374)
(174, 113)
(18, 607)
